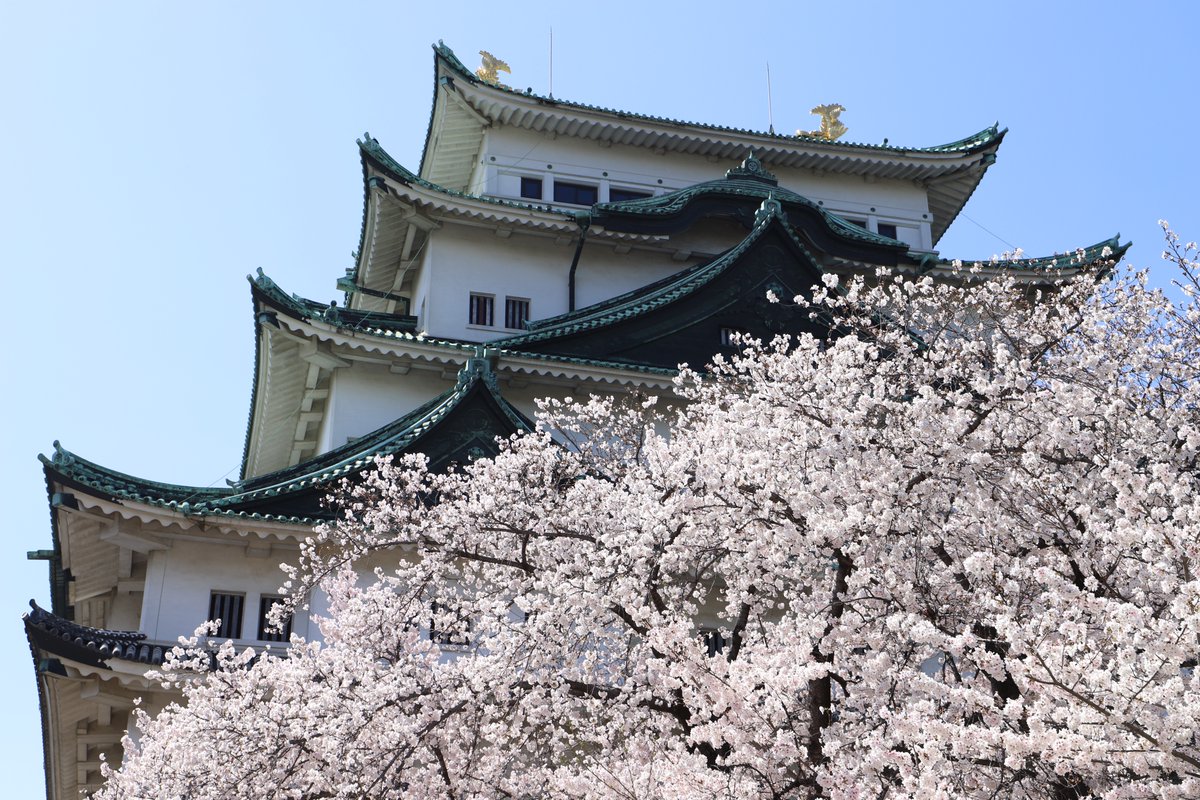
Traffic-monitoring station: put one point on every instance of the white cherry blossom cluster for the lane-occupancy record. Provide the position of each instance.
(949, 552)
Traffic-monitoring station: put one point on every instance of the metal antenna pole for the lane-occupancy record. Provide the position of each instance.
(770, 108)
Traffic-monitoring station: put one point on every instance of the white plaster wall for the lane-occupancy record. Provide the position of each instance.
(365, 397)
(421, 284)
(603, 273)
(125, 612)
(465, 259)
(180, 580)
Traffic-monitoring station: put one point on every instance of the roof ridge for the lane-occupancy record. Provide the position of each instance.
(976, 140)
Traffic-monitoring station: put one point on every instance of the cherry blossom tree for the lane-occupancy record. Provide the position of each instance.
(949, 551)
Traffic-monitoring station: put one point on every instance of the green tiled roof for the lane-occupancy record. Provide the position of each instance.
(119, 485)
(92, 646)
(741, 182)
(1108, 250)
(393, 438)
(977, 141)
(349, 319)
(240, 498)
(600, 363)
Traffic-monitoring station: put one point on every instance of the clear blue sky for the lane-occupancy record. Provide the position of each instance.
(152, 155)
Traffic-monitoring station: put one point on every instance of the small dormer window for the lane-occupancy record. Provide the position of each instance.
(577, 194)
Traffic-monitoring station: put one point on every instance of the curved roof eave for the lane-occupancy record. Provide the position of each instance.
(91, 646)
(325, 469)
(446, 62)
(1104, 254)
(251, 414)
(372, 153)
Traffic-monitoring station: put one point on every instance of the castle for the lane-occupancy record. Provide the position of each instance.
(540, 248)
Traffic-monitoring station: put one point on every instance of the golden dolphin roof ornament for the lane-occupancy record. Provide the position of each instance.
(490, 68)
(831, 127)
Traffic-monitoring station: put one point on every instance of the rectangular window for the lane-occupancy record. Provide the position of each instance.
(616, 195)
(862, 223)
(266, 633)
(886, 229)
(516, 312)
(531, 188)
(227, 608)
(481, 310)
(579, 194)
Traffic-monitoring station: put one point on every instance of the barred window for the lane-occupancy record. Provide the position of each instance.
(516, 312)
(266, 633)
(227, 608)
(454, 630)
(481, 308)
(714, 642)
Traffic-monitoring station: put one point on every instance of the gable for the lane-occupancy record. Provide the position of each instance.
(686, 318)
